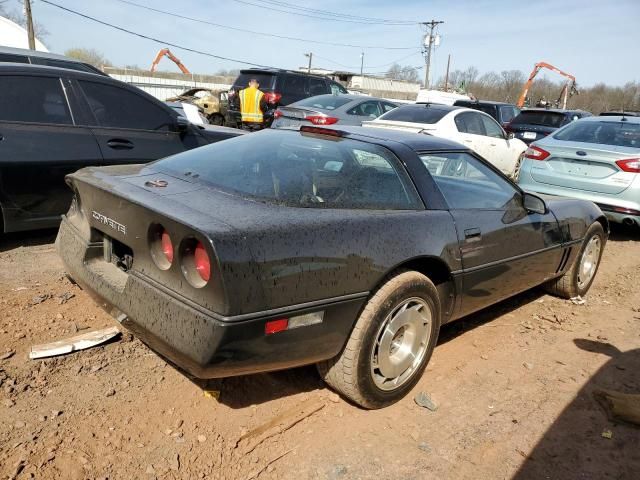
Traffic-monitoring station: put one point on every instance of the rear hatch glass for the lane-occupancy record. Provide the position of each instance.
(542, 119)
(265, 79)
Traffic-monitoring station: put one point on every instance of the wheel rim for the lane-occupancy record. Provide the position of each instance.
(589, 262)
(401, 344)
(516, 170)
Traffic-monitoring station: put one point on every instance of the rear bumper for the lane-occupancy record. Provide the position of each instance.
(201, 342)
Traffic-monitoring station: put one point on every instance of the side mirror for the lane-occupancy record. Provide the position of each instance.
(534, 204)
(510, 136)
(182, 124)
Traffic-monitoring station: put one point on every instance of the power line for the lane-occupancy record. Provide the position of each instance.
(335, 14)
(153, 39)
(237, 29)
(335, 19)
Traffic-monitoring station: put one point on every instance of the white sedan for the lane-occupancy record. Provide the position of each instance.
(477, 130)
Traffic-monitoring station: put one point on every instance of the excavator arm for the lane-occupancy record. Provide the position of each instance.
(165, 52)
(532, 76)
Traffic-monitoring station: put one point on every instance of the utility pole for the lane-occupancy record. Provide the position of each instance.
(30, 34)
(446, 76)
(361, 67)
(429, 40)
(310, 55)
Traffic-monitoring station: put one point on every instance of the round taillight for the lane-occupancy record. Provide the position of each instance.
(195, 262)
(160, 246)
(201, 261)
(167, 246)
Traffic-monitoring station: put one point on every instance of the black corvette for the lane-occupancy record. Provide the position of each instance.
(347, 248)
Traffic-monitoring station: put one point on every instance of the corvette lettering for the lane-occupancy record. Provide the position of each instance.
(110, 222)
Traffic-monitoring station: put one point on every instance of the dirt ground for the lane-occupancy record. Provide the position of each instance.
(513, 386)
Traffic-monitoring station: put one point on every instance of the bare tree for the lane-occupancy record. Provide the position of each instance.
(406, 73)
(18, 17)
(88, 55)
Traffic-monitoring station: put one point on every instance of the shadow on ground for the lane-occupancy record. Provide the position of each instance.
(574, 445)
(10, 241)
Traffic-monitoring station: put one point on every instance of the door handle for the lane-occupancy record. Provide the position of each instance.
(1, 137)
(472, 234)
(468, 141)
(120, 144)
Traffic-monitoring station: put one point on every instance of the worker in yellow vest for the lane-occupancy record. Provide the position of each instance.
(252, 106)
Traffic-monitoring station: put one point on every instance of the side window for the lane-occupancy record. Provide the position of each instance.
(507, 114)
(337, 89)
(8, 57)
(491, 127)
(33, 99)
(470, 122)
(467, 183)
(387, 107)
(295, 85)
(366, 109)
(317, 86)
(119, 108)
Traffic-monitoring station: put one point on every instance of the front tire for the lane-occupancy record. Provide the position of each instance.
(578, 279)
(390, 345)
(516, 171)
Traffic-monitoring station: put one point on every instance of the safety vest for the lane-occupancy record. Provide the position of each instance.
(250, 99)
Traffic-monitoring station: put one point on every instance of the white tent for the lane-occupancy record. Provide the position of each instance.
(13, 35)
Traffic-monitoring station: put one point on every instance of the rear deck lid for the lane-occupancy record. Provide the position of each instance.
(585, 167)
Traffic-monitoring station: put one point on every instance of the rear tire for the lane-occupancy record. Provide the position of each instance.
(216, 119)
(578, 279)
(390, 345)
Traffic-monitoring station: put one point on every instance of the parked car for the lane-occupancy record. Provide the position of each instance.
(472, 128)
(346, 248)
(34, 57)
(331, 109)
(502, 112)
(596, 159)
(281, 88)
(536, 123)
(214, 103)
(54, 121)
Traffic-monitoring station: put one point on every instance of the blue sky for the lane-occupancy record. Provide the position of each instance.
(597, 41)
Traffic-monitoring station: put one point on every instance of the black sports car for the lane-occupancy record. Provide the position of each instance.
(346, 247)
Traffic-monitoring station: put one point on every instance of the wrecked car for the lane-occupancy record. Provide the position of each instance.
(347, 248)
(214, 103)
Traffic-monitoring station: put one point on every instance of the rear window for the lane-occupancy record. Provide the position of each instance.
(544, 119)
(619, 134)
(266, 80)
(415, 114)
(325, 102)
(301, 170)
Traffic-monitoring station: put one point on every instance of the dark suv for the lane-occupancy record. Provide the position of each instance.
(34, 57)
(503, 113)
(536, 123)
(54, 121)
(281, 88)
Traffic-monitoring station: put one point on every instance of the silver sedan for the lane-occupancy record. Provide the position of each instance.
(332, 109)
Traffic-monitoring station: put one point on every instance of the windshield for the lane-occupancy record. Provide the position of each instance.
(300, 170)
(544, 119)
(325, 102)
(619, 134)
(415, 114)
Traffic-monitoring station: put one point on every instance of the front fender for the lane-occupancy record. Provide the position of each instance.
(575, 216)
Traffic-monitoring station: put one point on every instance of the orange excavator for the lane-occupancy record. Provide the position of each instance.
(165, 52)
(568, 90)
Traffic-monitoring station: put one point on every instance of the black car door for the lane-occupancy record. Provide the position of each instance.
(39, 144)
(504, 248)
(130, 127)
